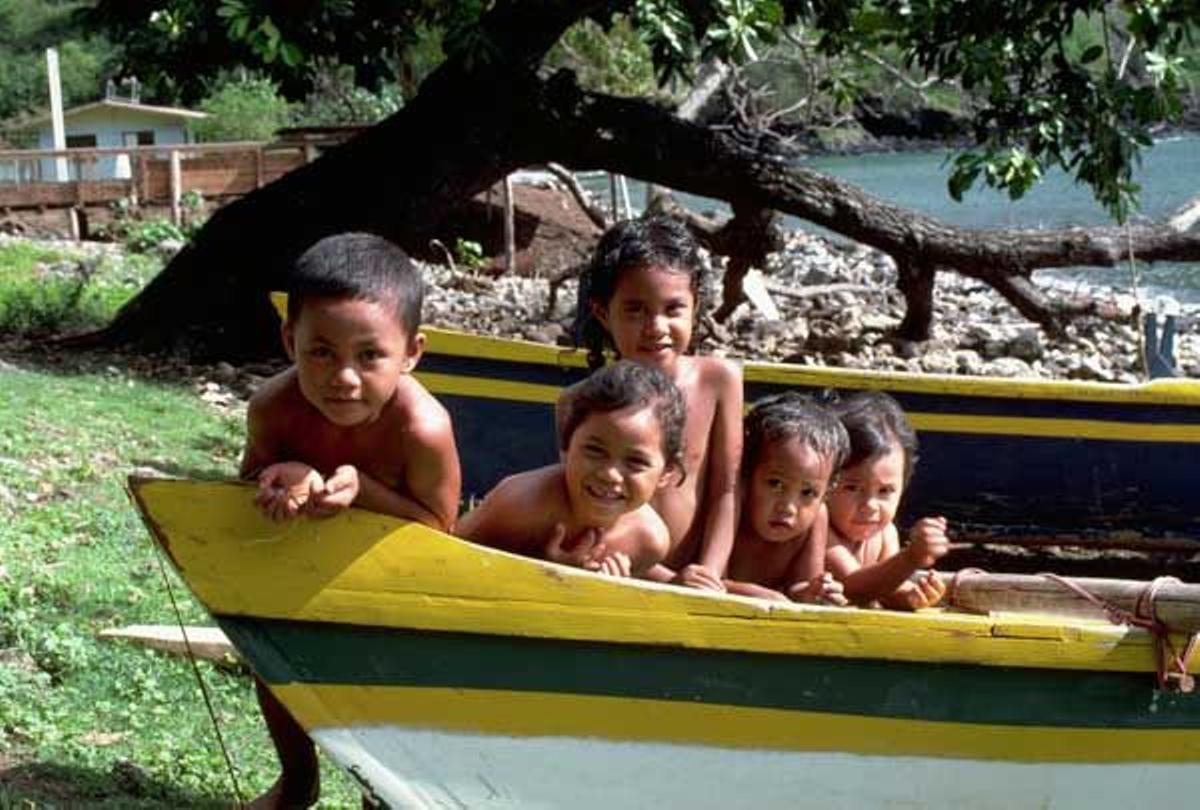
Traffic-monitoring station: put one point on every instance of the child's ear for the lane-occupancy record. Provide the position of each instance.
(289, 339)
(416, 348)
(672, 476)
(599, 312)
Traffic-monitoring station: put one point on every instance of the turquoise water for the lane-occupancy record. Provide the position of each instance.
(1169, 176)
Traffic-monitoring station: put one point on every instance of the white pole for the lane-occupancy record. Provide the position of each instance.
(510, 250)
(56, 114)
(176, 188)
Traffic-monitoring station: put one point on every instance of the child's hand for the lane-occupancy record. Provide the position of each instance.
(927, 591)
(927, 541)
(617, 564)
(341, 489)
(823, 589)
(585, 550)
(284, 489)
(697, 576)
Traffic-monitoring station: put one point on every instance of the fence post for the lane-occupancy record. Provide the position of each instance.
(176, 193)
(510, 250)
(258, 167)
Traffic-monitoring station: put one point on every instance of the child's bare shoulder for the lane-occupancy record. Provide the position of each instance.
(719, 374)
(531, 488)
(417, 412)
(276, 393)
(651, 532)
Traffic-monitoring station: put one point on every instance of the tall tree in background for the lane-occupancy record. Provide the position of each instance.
(27, 28)
(493, 105)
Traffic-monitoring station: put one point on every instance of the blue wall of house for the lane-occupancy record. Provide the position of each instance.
(110, 125)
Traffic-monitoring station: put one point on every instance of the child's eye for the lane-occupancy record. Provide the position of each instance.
(593, 451)
(638, 463)
(320, 352)
(808, 493)
(775, 484)
(675, 309)
(369, 355)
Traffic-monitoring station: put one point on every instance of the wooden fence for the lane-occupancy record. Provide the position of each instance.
(142, 174)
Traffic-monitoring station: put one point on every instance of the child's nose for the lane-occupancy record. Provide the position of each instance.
(656, 324)
(346, 376)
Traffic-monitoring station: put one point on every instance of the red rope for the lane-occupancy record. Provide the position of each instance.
(1171, 664)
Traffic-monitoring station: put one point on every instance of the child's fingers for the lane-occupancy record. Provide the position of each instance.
(697, 576)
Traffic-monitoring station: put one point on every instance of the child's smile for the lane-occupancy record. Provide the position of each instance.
(651, 315)
(613, 464)
(867, 496)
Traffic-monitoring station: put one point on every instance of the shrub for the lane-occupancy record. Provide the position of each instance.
(245, 109)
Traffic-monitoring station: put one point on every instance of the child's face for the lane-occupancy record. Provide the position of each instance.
(651, 315)
(867, 495)
(787, 487)
(614, 464)
(349, 355)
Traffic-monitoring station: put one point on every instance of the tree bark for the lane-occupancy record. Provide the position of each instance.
(916, 281)
(472, 123)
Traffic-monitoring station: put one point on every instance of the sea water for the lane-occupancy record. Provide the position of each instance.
(1169, 175)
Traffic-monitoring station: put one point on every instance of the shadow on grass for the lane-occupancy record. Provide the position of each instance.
(43, 785)
(152, 466)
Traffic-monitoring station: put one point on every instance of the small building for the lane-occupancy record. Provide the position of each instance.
(112, 122)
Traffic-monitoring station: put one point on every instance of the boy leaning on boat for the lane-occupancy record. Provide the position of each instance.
(347, 424)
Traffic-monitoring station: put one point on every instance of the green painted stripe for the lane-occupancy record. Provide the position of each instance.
(311, 652)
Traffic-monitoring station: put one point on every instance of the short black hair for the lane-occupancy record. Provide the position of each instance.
(875, 422)
(362, 266)
(621, 385)
(656, 240)
(794, 416)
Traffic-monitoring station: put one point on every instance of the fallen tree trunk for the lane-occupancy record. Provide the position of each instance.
(470, 126)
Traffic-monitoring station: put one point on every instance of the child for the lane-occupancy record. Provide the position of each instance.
(346, 425)
(865, 550)
(641, 296)
(793, 447)
(620, 434)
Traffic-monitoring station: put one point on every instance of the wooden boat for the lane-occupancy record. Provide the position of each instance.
(1020, 461)
(446, 675)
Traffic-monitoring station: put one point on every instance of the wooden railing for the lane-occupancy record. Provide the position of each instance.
(142, 174)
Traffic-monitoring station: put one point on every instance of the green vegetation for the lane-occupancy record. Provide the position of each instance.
(84, 722)
(243, 109)
(27, 28)
(46, 292)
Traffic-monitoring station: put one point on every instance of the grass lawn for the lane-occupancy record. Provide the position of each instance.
(85, 723)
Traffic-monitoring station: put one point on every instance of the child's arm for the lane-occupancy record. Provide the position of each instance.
(807, 579)
(925, 592)
(720, 496)
(753, 589)
(285, 488)
(880, 580)
(432, 481)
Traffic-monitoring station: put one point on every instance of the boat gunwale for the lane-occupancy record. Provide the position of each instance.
(694, 618)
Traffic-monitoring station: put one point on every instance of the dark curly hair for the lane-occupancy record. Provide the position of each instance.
(874, 422)
(361, 266)
(621, 385)
(793, 416)
(657, 240)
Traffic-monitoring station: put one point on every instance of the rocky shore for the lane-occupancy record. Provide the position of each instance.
(976, 332)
